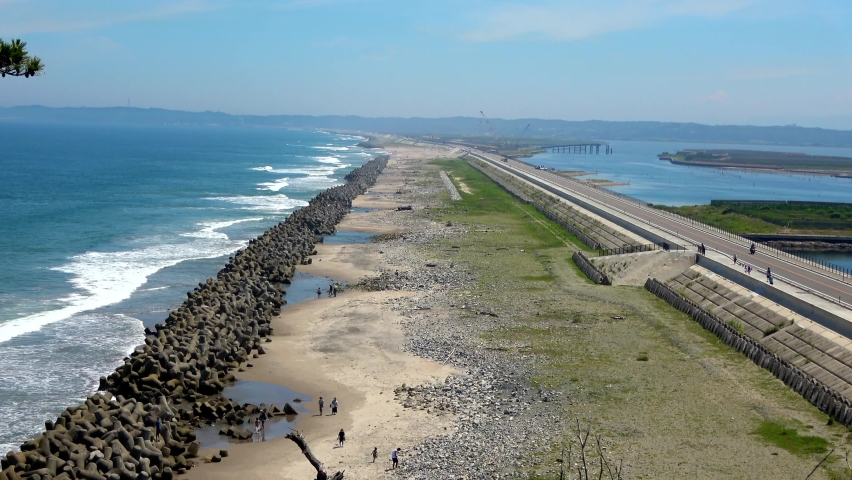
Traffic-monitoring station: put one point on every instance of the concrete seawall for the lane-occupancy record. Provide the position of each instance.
(757, 284)
(576, 199)
(821, 396)
(590, 269)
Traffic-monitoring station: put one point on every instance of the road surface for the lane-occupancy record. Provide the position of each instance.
(821, 281)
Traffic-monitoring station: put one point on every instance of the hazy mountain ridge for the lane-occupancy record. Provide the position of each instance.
(589, 129)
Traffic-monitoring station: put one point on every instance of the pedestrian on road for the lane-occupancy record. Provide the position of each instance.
(375, 453)
(395, 458)
(333, 406)
(735, 259)
(321, 404)
(341, 437)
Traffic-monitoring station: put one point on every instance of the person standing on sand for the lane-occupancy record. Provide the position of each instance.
(321, 404)
(333, 406)
(395, 458)
(263, 418)
(341, 437)
(375, 453)
(336, 288)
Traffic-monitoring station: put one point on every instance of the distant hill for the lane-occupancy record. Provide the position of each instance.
(461, 126)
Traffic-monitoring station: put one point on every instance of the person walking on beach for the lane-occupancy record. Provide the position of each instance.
(330, 289)
(341, 437)
(321, 404)
(333, 406)
(257, 427)
(336, 288)
(157, 431)
(375, 453)
(263, 418)
(395, 458)
(319, 292)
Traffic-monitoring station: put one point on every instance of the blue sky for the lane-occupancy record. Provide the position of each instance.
(709, 61)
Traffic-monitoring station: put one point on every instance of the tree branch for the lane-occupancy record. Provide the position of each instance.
(299, 440)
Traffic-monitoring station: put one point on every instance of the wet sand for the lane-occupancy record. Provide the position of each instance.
(348, 347)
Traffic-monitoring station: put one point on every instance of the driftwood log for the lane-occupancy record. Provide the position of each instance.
(299, 440)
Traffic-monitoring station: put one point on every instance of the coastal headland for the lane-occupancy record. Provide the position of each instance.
(779, 162)
(465, 336)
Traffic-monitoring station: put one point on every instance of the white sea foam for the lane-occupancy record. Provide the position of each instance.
(264, 203)
(153, 289)
(106, 278)
(73, 355)
(263, 169)
(335, 149)
(331, 160)
(209, 229)
(274, 186)
(318, 170)
(315, 182)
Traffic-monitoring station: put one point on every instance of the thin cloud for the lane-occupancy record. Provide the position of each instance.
(561, 22)
(719, 97)
(92, 20)
(770, 72)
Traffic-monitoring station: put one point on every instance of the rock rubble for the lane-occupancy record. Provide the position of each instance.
(178, 375)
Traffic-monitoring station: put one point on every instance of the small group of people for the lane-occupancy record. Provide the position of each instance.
(333, 405)
(333, 289)
(702, 249)
(260, 421)
(394, 456)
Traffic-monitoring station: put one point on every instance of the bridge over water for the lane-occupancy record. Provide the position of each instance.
(579, 147)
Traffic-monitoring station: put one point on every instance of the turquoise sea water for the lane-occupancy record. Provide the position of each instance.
(104, 229)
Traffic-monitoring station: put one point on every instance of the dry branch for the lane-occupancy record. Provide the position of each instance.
(299, 440)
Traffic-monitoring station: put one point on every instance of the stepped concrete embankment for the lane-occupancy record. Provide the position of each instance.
(177, 376)
(820, 395)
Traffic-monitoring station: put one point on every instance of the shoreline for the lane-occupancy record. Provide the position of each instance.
(349, 347)
(189, 358)
(773, 170)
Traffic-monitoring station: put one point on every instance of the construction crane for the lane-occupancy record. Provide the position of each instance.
(487, 122)
(518, 143)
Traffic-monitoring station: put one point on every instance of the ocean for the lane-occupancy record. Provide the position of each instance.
(105, 228)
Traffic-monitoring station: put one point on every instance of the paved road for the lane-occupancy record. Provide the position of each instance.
(820, 280)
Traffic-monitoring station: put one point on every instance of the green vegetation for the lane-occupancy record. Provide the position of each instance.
(771, 217)
(736, 325)
(560, 325)
(790, 440)
(789, 161)
(15, 61)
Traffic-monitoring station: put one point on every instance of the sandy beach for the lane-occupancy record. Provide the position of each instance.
(349, 347)
(503, 349)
